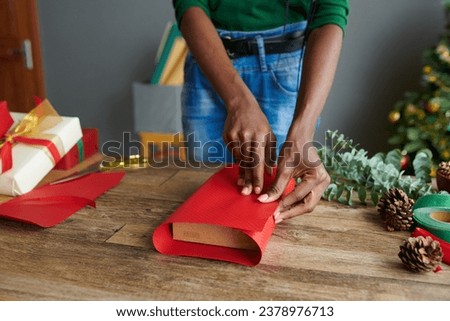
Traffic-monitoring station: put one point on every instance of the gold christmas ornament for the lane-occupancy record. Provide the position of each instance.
(433, 171)
(427, 70)
(432, 107)
(421, 114)
(441, 49)
(431, 78)
(445, 154)
(393, 117)
(420, 254)
(410, 109)
(444, 53)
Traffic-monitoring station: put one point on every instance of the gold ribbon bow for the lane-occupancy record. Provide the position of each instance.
(30, 130)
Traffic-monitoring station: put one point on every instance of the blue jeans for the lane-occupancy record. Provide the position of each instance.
(273, 79)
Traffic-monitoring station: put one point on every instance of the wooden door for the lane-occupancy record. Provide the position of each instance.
(21, 75)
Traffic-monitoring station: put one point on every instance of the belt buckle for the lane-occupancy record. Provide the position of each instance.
(295, 35)
(229, 53)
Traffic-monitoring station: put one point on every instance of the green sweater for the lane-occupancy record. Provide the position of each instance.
(251, 15)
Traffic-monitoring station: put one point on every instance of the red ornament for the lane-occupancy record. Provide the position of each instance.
(404, 162)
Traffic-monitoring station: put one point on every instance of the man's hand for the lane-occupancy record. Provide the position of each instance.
(249, 137)
(246, 131)
(301, 162)
(299, 158)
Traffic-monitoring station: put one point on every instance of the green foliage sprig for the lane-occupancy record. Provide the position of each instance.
(352, 170)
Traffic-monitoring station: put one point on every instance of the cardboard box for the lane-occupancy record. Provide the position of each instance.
(157, 146)
(212, 235)
(32, 163)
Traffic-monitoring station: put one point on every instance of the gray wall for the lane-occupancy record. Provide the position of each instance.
(381, 59)
(95, 49)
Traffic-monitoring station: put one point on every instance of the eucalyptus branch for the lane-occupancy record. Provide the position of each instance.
(351, 170)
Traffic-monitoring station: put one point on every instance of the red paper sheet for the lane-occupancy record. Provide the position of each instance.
(219, 202)
(49, 205)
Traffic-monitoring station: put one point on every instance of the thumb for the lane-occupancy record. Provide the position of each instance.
(277, 188)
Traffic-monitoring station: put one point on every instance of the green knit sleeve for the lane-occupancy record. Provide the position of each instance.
(181, 6)
(331, 12)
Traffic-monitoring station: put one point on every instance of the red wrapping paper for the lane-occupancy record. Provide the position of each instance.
(73, 157)
(445, 246)
(219, 202)
(6, 122)
(49, 205)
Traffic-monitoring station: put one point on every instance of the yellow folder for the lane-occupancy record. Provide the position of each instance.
(173, 73)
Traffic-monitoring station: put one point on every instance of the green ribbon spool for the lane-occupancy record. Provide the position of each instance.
(432, 213)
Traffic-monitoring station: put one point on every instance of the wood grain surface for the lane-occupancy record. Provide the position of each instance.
(335, 253)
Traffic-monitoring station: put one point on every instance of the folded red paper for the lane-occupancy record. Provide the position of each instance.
(49, 205)
(218, 202)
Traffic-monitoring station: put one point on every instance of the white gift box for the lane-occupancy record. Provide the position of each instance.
(32, 163)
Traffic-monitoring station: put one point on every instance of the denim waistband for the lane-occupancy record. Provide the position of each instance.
(278, 31)
(263, 61)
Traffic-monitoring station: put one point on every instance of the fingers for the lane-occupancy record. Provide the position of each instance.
(258, 149)
(251, 170)
(315, 178)
(248, 187)
(253, 155)
(245, 165)
(251, 165)
(303, 199)
(263, 153)
(307, 205)
(299, 193)
(234, 148)
(270, 153)
(241, 179)
(276, 190)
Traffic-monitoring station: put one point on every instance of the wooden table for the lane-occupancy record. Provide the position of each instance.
(335, 253)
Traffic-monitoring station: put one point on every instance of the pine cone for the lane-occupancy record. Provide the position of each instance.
(444, 169)
(395, 208)
(420, 254)
(443, 176)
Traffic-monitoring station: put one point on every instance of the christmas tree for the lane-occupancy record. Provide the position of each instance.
(422, 119)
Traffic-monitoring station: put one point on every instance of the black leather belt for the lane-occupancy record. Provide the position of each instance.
(245, 47)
